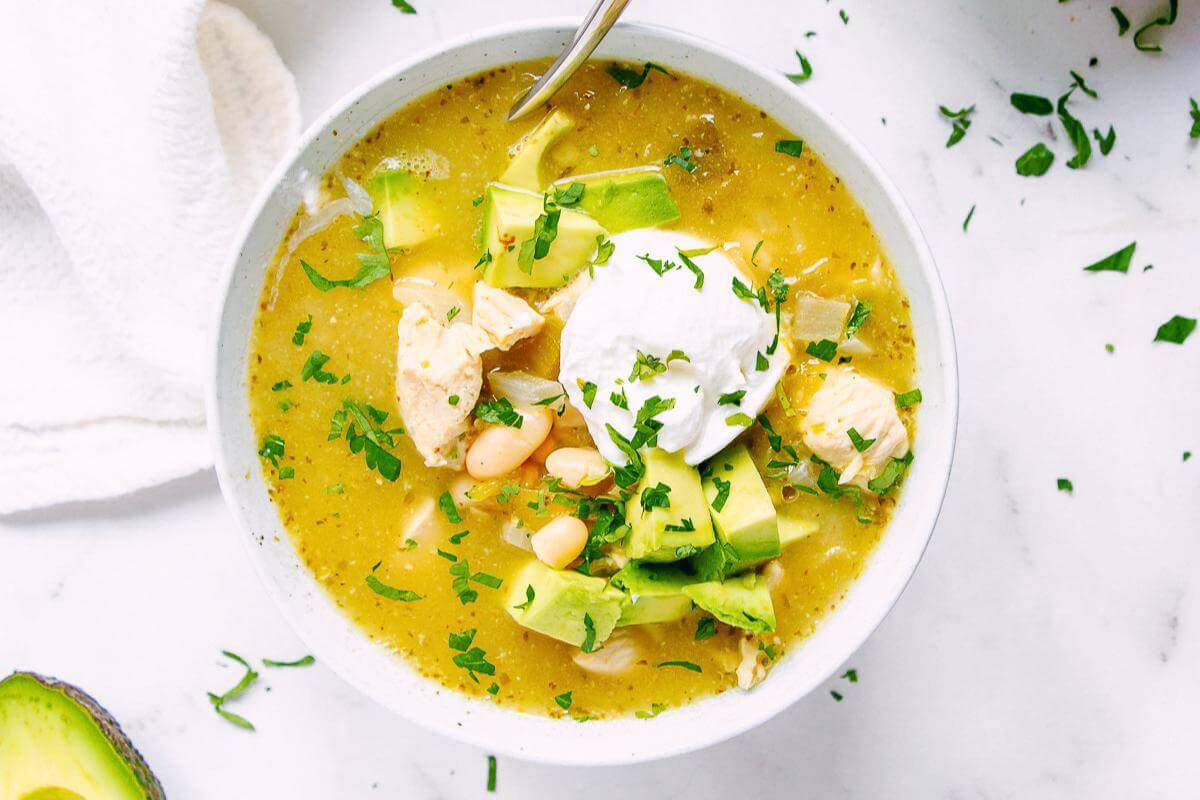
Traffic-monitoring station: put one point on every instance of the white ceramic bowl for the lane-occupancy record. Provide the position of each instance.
(387, 678)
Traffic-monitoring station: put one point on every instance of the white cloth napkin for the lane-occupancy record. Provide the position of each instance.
(133, 135)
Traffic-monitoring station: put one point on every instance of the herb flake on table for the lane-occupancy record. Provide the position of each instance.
(1105, 141)
(403, 6)
(491, 773)
(390, 592)
(1164, 21)
(1076, 132)
(1176, 330)
(1077, 80)
(844, 16)
(1031, 104)
(1195, 114)
(805, 72)
(219, 700)
(1035, 161)
(967, 220)
(631, 78)
(1122, 20)
(1065, 485)
(960, 120)
(304, 661)
(851, 675)
(1116, 262)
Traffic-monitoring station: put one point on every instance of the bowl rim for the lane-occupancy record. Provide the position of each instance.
(925, 265)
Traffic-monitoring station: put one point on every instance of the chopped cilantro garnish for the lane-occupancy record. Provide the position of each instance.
(303, 328)
(688, 665)
(1106, 141)
(1195, 114)
(891, 475)
(474, 660)
(960, 120)
(722, 496)
(836, 695)
(452, 399)
(452, 313)
(280, 386)
(860, 444)
(486, 258)
(1175, 330)
(619, 399)
(655, 710)
(693, 266)
(1077, 80)
(706, 628)
(404, 6)
(1117, 262)
(656, 497)
(646, 366)
(910, 398)
(731, 398)
(631, 78)
(739, 420)
(272, 448)
(1031, 104)
(363, 427)
(287, 473)
(1065, 485)
(569, 196)
(1035, 161)
(446, 503)
(824, 349)
(313, 369)
(372, 266)
(660, 266)
(589, 634)
(683, 159)
(460, 570)
(862, 310)
(790, 147)
(529, 595)
(390, 592)
(604, 250)
(499, 412)
(805, 72)
(589, 393)
(490, 581)
(564, 701)
(545, 231)
(458, 537)
(851, 675)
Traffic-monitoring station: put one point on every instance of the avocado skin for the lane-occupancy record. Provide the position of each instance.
(107, 726)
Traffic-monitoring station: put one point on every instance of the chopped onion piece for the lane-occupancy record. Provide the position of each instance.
(439, 301)
(517, 534)
(854, 346)
(358, 196)
(815, 317)
(521, 388)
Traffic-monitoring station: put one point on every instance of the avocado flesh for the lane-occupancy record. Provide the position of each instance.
(652, 593)
(649, 537)
(746, 521)
(561, 600)
(719, 562)
(400, 199)
(509, 216)
(744, 601)
(622, 200)
(57, 743)
(523, 169)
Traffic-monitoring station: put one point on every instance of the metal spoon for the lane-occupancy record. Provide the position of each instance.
(595, 26)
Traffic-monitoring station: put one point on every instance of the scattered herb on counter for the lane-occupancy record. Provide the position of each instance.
(314, 369)
(390, 592)
(706, 628)
(1076, 132)
(805, 72)
(491, 762)
(790, 147)
(1031, 104)
(960, 120)
(1077, 80)
(303, 328)
(631, 78)
(844, 16)
(1176, 330)
(836, 695)
(1065, 485)
(851, 675)
(1035, 161)
(1122, 20)
(564, 701)
(299, 662)
(219, 700)
(1105, 141)
(684, 159)
(688, 665)
(404, 6)
(1164, 21)
(856, 439)
(1187, 454)
(499, 412)
(1195, 114)
(1117, 262)
(823, 349)
(1108, 348)
(907, 399)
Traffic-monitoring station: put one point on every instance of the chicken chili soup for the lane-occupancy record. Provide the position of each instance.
(590, 416)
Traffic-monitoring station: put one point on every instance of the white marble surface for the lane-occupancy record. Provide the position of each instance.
(1049, 645)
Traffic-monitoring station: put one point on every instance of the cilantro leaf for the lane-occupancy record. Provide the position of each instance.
(1117, 262)
(907, 399)
(805, 72)
(856, 439)
(862, 310)
(824, 349)
(303, 328)
(631, 78)
(390, 592)
(1176, 330)
(1076, 132)
(960, 120)
(1106, 141)
(500, 412)
(1031, 104)
(688, 665)
(1164, 21)
(1122, 20)
(790, 147)
(1035, 161)
(1065, 485)
(684, 159)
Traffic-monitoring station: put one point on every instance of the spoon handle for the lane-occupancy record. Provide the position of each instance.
(595, 25)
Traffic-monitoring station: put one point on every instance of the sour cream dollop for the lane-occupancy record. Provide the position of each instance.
(629, 309)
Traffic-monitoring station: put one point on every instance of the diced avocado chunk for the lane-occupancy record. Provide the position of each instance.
(653, 593)
(624, 199)
(509, 216)
(744, 601)
(561, 601)
(746, 519)
(677, 530)
(57, 743)
(525, 166)
(720, 561)
(400, 198)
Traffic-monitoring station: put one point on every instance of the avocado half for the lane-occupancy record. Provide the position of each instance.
(57, 743)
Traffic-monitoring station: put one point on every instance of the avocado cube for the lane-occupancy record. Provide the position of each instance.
(745, 519)
(523, 169)
(561, 601)
(653, 593)
(721, 560)
(744, 601)
(674, 531)
(400, 198)
(509, 217)
(624, 199)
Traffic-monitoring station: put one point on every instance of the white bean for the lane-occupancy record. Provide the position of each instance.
(560, 541)
(577, 466)
(500, 449)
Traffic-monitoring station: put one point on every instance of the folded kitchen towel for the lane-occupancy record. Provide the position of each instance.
(133, 135)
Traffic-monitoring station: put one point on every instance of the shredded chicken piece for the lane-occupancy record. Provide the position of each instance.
(505, 318)
(562, 302)
(773, 573)
(618, 654)
(848, 400)
(753, 669)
